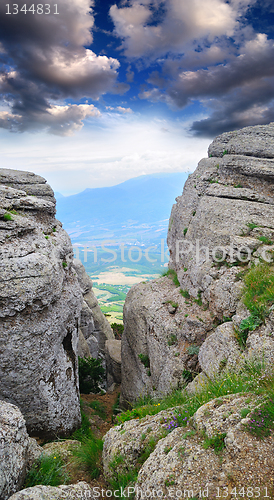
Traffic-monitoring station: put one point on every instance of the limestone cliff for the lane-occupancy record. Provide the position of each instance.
(223, 219)
(41, 307)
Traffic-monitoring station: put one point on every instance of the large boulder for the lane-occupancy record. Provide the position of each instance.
(181, 462)
(161, 339)
(220, 223)
(40, 306)
(71, 491)
(17, 450)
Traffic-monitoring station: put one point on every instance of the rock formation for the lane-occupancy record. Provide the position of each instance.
(41, 308)
(223, 220)
(17, 450)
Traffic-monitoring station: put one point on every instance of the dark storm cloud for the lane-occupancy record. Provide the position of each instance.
(44, 60)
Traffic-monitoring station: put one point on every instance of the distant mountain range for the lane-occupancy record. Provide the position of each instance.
(134, 212)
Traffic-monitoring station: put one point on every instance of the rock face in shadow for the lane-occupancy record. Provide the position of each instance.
(220, 223)
(40, 305)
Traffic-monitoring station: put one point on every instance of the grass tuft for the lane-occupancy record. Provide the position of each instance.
(48, 470)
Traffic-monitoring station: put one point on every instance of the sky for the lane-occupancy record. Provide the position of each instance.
(94, 92)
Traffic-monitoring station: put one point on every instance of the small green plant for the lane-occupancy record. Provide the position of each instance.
(261, 420)
(47, 239)
(216, 442)
(122, 479)
(64, 264)
(144, 358)
(188, 376)
(185, 294)
(199, 299)
(7, 217)
(91, 374)
(194, 213)
(172, 274)
(225, 152)
(149, 448)
(172, 339)
(265, 240)
(173, 304)
(193, 349)
(181, 453)
(170, 481)
(213, 181)
(99, 409)
(251, 225)
(54, 229)
(226, 319)
(185, 231)
(244, 412)
(48, 470)
(167, 449)
(222, 364)
(185, 269)
(238, 185)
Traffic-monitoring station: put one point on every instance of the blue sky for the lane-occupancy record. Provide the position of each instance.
(106, 91)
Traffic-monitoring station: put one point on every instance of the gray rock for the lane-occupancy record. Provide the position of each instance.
(113, 362)
(40, 304)
(83, 348)
(71, 491)
(155, 343)
(28, 182)
(94, 325)
(181, 463)
(14, 447)
(220, 350)
(249, 141)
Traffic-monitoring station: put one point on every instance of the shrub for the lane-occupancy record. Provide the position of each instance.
(48, 470)
(90, 374)
(144, 358)
(193, 349)
(185, 294)
(118, 330)
(7, 217)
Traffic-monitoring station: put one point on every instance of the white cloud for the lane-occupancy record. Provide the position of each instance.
(183, 23)
(123, 146)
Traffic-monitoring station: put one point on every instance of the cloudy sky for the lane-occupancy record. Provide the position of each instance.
(94, 92)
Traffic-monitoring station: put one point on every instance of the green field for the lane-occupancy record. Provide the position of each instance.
(112, 280)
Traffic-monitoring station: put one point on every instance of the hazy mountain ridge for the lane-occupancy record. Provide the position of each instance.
(135, 210)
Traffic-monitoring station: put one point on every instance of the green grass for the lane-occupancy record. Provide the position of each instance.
(216, 442)
(261, 420)
(172, 274)
(185, 294)
(265, 240)
(250, 378)
(258, 293)
(88, 456)
(48, 470)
